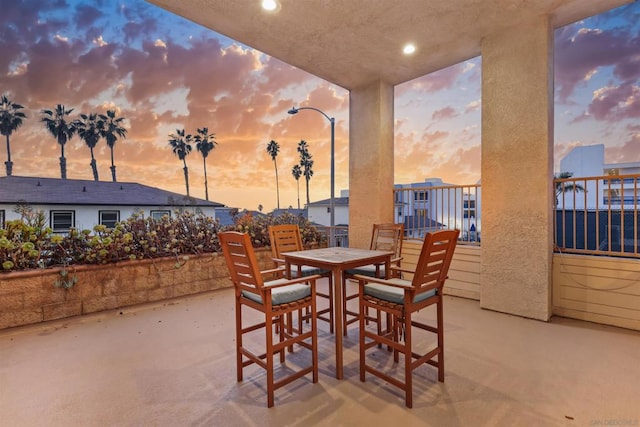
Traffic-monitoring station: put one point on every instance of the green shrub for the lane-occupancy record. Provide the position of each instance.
(29, 243)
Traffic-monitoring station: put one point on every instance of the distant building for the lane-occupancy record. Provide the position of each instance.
(588, 161)
(82, 204)
(435, 205)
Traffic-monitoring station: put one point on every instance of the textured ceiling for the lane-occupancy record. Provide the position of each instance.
(353, 43)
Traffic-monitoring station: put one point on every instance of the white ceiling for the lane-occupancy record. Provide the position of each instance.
(353, 43)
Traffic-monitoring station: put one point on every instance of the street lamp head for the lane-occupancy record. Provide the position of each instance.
(293, 110)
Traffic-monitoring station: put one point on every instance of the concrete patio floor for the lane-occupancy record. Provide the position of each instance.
(173, 364)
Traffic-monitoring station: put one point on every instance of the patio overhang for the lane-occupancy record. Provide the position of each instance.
(353, 43)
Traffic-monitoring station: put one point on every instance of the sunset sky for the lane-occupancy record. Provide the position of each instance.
(164, 73)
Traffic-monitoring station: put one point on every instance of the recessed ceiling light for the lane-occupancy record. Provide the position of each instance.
(409, 48)
(269, 5)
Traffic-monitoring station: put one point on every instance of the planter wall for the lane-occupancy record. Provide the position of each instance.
(28, 297)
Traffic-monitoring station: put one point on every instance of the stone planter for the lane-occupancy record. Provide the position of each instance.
(28, 297)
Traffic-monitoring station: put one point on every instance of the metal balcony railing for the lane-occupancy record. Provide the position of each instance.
(598, 215)
(425, 209)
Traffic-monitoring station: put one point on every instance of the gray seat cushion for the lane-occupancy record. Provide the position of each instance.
(393, 294)
(307, 270)
(366, 270)
(281, 295)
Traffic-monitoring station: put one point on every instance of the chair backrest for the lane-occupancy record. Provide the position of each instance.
(388, 237)
(435, 258)
(284, 238)
(241, 261)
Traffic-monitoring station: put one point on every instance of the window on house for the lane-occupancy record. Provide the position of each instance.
(62, 221)
(1, 218)
(160, 213)
(109, 218)
(612, 196)
(469, 209)
(420, 195)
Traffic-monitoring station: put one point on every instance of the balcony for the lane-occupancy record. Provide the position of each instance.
(173, 364)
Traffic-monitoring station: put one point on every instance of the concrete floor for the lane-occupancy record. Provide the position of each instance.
(173, 364)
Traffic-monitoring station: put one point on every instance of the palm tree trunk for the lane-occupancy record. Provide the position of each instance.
(63, 168)
(277, 186)
(206, 187)
(186, 177)
(63, 162)
(298, 184)
(9, 163)
(94, 166)
(113, 167)
(308, 202)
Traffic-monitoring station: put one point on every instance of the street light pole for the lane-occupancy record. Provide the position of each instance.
(332, 202)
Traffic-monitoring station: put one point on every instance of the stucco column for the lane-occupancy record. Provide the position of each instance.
(517, 170)
(370, 160)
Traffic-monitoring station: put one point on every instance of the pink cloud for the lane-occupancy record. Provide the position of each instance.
(444, 113)
(616, 102)
(579, 53)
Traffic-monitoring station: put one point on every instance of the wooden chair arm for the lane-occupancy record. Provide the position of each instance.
(395, 282)
(311, 279)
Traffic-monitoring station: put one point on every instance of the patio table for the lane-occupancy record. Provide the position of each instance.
(337, 260)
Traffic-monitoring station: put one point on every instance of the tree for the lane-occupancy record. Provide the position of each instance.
(57, 123)
(181, 145)
(205, 142)
(89, 129)
(112, 130)
(273, 148)
(296, 171)
(10, 119)
(565, 186)
(306, 163)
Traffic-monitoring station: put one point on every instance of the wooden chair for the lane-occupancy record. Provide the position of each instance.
(275, 299)
(287, 238)
(385, 237)
(400, 299)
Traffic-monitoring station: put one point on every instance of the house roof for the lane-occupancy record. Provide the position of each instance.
(354, 43)
(338, 201)
(55, 191)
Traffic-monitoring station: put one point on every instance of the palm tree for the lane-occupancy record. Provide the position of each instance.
(89, 129)
(273, 148)
(306, 162)
(62, 129)
(565, 186)
(296, 171)
(112, 130)
(205, 142)
(181, 145)
(10, 119)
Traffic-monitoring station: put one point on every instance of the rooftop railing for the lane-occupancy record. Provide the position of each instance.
(598, 215)
(424, 209)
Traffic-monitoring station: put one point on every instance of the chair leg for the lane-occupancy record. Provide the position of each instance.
(331, 315)
(440, 327)
(269, 360)
(238, 339)
(344, 306)
(361, 333)
(408, 359)
(314, 340)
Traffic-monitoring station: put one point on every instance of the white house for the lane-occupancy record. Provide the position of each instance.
(82, 204)
(320, 212)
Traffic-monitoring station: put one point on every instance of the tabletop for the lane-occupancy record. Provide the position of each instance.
(336, 255)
